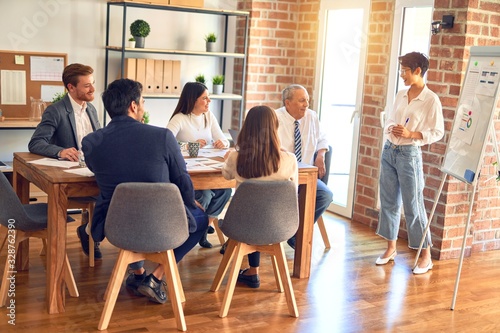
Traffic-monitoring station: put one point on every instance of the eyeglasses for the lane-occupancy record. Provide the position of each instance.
(403, 71)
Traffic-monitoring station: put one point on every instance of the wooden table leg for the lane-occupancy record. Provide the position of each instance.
(56, 248)
(303, 242)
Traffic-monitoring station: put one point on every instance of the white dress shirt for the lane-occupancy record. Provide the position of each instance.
(82, 121)
(313, 139)
(424, 114)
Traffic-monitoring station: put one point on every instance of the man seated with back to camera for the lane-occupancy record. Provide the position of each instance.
(127, 150)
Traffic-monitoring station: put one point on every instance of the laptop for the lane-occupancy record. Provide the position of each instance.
(234, 135)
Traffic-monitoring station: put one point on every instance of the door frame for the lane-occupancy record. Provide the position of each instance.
(361, 43)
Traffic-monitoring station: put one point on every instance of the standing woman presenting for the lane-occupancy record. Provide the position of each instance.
(415, 120)
(193, 122)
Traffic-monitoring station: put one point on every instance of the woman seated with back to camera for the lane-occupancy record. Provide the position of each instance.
(193, 122)
(259, 156)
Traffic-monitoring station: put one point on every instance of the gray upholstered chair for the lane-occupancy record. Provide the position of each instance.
(18, 223)
(320, 222)
(146, 221)
(261, 215)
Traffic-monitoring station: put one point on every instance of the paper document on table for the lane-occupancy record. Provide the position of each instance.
(54, 162)
(196, 164)
(212, 152)
(81, 172)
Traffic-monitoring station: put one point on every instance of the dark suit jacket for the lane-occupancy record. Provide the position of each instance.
(57, 130)
(129, 151)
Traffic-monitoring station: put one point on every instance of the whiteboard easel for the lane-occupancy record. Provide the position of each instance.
(463, 158)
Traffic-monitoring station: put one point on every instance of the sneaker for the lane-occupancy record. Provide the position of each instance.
(152, 289)
(253, 281)
(204, 241)
(291, 242)
(84, 241)
(133, 281)
(211, 229)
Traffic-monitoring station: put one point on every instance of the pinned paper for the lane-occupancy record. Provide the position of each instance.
(19, 59)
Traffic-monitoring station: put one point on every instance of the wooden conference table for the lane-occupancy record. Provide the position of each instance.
(60, 185)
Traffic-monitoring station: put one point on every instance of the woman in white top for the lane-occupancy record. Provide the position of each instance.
(193, 122)
(259, 156)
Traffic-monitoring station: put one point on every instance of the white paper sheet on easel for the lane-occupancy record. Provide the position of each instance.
(13, 87)
(49, 92)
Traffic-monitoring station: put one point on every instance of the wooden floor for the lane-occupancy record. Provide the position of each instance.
(345, 293)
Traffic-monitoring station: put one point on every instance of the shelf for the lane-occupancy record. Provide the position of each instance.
(145, 4)
(178, 52)
(223, 96)
(18, 124)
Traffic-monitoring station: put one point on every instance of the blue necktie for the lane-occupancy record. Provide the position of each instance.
(298, 142)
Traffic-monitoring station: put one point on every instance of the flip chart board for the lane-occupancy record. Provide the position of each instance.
(474, 114)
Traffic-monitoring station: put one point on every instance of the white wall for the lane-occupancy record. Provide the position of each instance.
(78, 28)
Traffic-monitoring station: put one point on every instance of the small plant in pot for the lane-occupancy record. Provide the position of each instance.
(211, 38)
(131, 42)
(140, 29)
(218, 84)
(200, 78)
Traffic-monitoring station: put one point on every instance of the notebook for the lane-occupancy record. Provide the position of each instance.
(234, 135)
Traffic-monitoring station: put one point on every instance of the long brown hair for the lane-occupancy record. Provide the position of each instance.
(190, 93)
(258, 144)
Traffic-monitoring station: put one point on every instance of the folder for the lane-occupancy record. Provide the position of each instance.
(167, 77)
(150, 76)
(130, 68)
(176, 77)
(140, 74)
(158, 76)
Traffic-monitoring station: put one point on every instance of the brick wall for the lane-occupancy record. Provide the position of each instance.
(476, 23)
(282, 48)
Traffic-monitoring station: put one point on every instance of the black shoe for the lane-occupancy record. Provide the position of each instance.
(152, 289)
(211, 229)
(133, 282)
(291, 242)
(253, 281)
(223, 248)
(84, 241)
(204, 241)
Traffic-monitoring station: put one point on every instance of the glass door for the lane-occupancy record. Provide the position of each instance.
(339, 89)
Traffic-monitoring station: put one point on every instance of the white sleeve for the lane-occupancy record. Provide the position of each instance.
(217, 131)
(175, 124)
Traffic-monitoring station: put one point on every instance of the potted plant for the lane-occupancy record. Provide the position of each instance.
(211, 38)
(145, 117)
(131, 42)
(200, 78)
(218, 83)
(140, 29)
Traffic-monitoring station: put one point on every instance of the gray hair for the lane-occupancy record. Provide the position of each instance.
(288, 92)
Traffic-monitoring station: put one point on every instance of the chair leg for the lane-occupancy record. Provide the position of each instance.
(174, 286)
(3, 236)
(324, 234)
(219, 232)
(7, 269)
(279, 252)
(277, 277)
(113, 289)
(70, 279)
(43, 251)
(233, 277)
(224, 265)
(90, 212)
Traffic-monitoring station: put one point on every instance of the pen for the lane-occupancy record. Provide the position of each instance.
(407, 120)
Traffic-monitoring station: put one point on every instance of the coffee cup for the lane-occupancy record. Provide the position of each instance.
(193, 149)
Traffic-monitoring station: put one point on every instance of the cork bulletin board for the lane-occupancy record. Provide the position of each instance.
(28, 74)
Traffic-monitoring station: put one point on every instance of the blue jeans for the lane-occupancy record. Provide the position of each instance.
(201, 219)
(323, 199)
(402, 181)
(213, 201)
